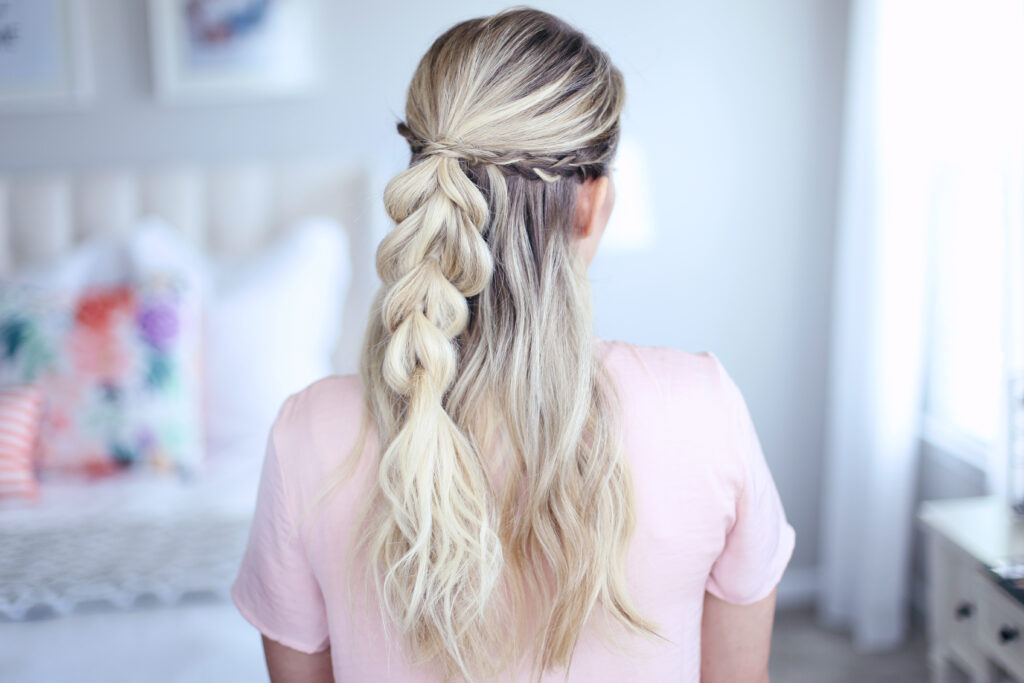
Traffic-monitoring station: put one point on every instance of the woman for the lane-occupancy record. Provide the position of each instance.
(520, 498)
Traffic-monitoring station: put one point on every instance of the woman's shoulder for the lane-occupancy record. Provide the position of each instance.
(661, 367)
(315, 421)
(685, 402)
(671, 390)
(331, 397)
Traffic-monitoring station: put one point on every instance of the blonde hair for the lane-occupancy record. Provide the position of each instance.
(480, 344)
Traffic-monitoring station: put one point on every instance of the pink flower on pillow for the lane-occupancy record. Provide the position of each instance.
(98, 465)
(96, 342)
(58, 419)
(97, 354)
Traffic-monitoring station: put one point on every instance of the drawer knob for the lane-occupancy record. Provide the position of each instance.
(1008, 633)
(964, 610)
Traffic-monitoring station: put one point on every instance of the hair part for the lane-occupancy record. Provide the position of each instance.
(502, 493)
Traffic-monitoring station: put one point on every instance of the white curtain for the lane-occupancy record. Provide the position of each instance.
(929, 100)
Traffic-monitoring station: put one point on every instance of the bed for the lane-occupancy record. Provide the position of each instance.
(117, 541)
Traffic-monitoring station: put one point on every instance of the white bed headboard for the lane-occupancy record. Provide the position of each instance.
(227, 209)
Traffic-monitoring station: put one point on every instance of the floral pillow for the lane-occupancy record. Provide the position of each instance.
(119, 369)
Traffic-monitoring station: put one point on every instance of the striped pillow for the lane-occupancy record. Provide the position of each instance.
(20, 409)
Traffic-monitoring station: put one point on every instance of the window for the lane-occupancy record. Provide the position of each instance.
(975, 176)
(966, 381)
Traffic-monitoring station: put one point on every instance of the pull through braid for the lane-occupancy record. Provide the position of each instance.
(439, 543)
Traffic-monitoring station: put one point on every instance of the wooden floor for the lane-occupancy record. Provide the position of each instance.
(804, 652)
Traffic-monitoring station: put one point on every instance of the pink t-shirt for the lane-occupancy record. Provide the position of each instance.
(709, 518)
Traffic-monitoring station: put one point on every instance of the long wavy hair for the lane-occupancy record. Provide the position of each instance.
(503, 504)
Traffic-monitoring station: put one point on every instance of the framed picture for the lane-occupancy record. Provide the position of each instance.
(44, 55)
(226, 49)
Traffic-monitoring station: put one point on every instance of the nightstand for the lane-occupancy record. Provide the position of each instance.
(973, 623)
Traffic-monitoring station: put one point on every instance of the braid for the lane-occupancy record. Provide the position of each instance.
(548, 168)
(440, 523)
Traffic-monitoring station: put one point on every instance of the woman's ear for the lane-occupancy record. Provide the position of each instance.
(590, 204)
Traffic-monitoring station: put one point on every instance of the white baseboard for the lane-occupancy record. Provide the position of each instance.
(798, 588)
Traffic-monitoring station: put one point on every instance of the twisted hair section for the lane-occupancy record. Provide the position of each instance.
(438, 545)
(503, 503)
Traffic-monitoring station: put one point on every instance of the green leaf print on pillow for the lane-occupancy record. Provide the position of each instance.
(23, 348)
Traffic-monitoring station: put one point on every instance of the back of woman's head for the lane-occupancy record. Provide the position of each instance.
(504, 505)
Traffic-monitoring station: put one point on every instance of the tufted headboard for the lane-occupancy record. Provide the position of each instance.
(228, 210)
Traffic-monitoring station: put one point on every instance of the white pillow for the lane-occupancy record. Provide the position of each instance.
(272, 325)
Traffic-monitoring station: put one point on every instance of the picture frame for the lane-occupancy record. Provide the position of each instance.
(44, 54)
(207, 50)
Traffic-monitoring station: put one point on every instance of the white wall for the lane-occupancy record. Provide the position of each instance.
(735, 105)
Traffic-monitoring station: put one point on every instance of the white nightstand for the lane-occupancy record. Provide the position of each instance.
(973, 622)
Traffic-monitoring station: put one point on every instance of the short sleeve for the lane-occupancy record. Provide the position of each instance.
(760, 541)
(276, 590)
